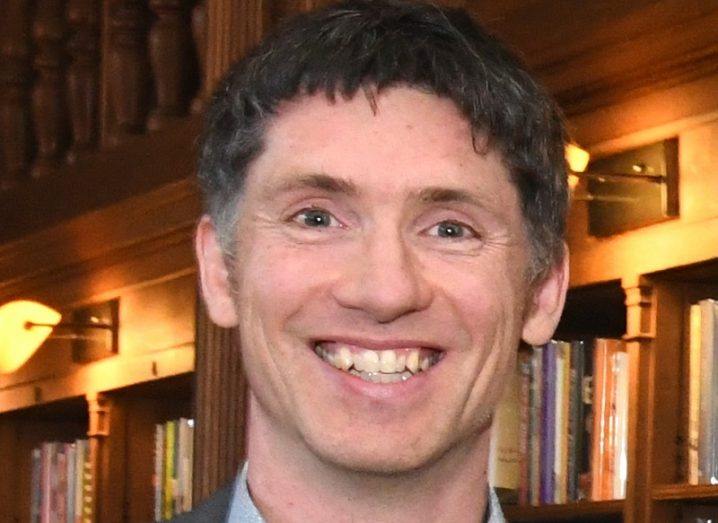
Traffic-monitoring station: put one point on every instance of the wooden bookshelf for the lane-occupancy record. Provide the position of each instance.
(603, 511)
(683, 492)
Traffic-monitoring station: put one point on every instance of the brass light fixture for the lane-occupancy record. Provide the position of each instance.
(626, 190)
(25, 325)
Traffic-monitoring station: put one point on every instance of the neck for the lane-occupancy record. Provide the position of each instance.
(289, 483)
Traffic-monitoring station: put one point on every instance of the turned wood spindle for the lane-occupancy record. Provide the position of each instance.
(15, 75)
(128, 68)
(82, 83)
(199, 35)
(170, 49)
(48, 95)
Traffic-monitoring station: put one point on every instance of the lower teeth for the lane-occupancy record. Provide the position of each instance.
(379, 377)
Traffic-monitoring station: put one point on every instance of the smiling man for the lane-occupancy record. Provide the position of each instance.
(385, 195)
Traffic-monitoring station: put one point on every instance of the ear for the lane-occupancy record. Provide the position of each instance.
(214, 276)
(547, 301)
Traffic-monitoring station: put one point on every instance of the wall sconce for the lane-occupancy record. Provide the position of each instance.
(626, 190)
(25, 325)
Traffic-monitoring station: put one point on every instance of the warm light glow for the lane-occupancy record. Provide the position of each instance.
(576, 158)
(18, 341)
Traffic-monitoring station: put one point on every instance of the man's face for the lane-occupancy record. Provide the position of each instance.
(380, 280)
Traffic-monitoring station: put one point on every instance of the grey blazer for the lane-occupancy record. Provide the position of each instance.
(215, 509)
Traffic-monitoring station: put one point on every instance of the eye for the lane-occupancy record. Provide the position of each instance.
(315, 218)
(452, 230)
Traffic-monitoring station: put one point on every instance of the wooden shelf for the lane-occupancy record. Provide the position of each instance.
(585, 510)
(684, 492)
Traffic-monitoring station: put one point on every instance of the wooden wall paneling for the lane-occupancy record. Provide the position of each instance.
(15, 75)
(127, 75)
(199, 39)
(220, 407)
(170, 51)
(48, 95)
(82, 75)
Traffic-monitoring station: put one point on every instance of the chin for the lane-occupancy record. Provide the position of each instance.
(377, 457)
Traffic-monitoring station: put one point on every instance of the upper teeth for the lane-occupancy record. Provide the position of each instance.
(370, 361)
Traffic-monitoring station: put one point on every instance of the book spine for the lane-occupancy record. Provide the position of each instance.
(524, 367)
(712, 341)
(87, 493)
(70, 498)
(46, 494)
(620, 467)
(548, 422)
(536, 429)
(158, 470)
(694, 393)
(706, 437)
(186, 453)
(587, 397)
(600, 418)
(561, 417)
(79, 475)
(168, 483)
(575, 415)
(190, 458)
(36, 486)
(504, 446)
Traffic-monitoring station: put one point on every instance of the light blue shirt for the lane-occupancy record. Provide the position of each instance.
(243, 509)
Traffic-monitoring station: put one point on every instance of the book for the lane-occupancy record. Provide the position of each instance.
(563, 364)
(694, 394)
(575, 419)
(548, 422)
(535, 426)
(707, 429)
(168, 487)
(524, 371)
(504, 463)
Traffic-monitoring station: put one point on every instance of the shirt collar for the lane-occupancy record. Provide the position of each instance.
(243, 510)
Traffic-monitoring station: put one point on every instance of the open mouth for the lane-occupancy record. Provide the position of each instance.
(378, 366)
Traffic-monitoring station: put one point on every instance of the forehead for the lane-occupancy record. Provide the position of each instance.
(403, 139)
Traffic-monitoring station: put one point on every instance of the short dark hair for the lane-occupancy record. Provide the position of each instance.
(376, 44)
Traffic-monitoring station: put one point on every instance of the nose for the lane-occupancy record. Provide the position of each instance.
(384, 279)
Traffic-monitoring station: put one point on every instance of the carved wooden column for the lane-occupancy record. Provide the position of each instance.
(99, 429)
(15, 74)
(82, 83)
(640, 333)
(199, 36)
(234, 26)
(48, 95)
(128, 68)
(220, 407)
(169, 46)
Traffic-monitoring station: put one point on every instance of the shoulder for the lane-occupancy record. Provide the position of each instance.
(214, 509)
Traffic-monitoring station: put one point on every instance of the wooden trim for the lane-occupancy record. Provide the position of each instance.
(102, 375)
(684, 492)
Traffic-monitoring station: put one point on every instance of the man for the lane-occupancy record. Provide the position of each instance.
(385, 195)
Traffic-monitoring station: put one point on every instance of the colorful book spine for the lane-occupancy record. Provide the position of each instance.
(524, 369)
(36, 486)
(548, 422)
(536, 427)
(168, 486)
(504, 463)
(575, 419)
(694, 394)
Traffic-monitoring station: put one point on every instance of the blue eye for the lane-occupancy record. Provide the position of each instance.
(315, 218)
(452, 230)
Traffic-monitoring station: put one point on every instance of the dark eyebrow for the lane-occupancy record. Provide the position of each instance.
(319, 181)
(446, 195)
